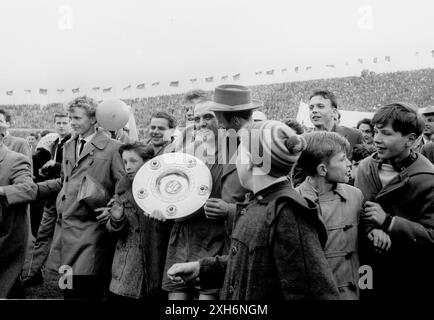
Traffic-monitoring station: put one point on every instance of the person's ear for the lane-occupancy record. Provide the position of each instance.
(321, 170)
(411, 139)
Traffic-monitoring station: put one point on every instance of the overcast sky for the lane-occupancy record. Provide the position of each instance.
(59, 44)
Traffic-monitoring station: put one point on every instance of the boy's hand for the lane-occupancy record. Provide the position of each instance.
(184, 272)
(374, 213)
(216, 208)
(380, 239)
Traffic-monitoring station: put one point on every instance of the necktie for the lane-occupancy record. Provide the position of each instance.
(82, 141)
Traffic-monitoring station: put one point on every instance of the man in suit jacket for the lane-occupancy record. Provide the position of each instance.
(16, 144)
(91, 159)
(16, 188)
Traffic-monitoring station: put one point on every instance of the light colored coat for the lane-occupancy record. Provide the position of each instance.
(16, 179)
(340, 210)
(84, 244)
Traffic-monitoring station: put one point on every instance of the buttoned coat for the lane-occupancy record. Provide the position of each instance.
(84, 244)
(406, 271)
(16, 179)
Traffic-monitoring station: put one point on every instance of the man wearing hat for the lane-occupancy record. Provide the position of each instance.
(425, 137)
(233, 107)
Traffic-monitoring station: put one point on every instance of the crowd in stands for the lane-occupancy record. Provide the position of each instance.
(281, 100)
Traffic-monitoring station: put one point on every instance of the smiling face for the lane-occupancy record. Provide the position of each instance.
(132, 163)
(205, 123)
(157, 129)
(429, 125)
(81, 123)
(392, 145)
(322, 114)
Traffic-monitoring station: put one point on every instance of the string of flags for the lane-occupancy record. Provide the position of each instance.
(210, 79)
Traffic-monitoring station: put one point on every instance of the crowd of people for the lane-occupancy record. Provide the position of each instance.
(322, 213)
(281, 101)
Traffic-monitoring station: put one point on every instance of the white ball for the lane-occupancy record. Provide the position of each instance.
(113, 114)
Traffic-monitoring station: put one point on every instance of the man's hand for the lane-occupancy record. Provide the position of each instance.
(216, 208)
(374, 213)
(184, 272)
(48, 164)
(380, 239)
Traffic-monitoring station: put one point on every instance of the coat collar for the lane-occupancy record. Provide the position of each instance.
(99, 141)
(3, 151)
(307, 190)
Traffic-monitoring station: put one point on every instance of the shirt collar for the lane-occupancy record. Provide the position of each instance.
(88, 138)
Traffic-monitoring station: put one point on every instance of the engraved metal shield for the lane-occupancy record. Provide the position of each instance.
(174, 185)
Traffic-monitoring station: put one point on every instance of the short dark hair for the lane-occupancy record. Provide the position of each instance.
(6, 114)
(200, 94)
(295, 125)
(60, 115)
(144, 151)
(326, 95)
(34, 135)
(245, 114)
(362, 151)
(164, 115)
(321, 146)
(402, 116)
(365, 121)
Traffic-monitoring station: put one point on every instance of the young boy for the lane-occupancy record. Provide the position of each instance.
(328, 170)
(398, 185)
(276, 250)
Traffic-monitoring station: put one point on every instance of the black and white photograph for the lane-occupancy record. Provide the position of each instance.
(217, 157)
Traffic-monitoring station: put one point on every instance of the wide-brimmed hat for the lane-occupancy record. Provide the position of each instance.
(231, 97)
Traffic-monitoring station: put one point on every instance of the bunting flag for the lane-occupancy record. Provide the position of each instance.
(60, 90)
(225, 77)
(10, 93)
(360, 60)
(174, 84)
(270, 72)
(209, 79)
(432, 53)
(258, 73)
(417, 53)
(236, 76)
(76, 90)
(140, 86)
(43, 91)
(330, 66)
(308, 68)
(127, 87)
(375, 60)
(156, 84)
(193, 80)
(107, 89)
(28, 91)
(96, 88)
(296, 69)
(284, 70)
(387, 58)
